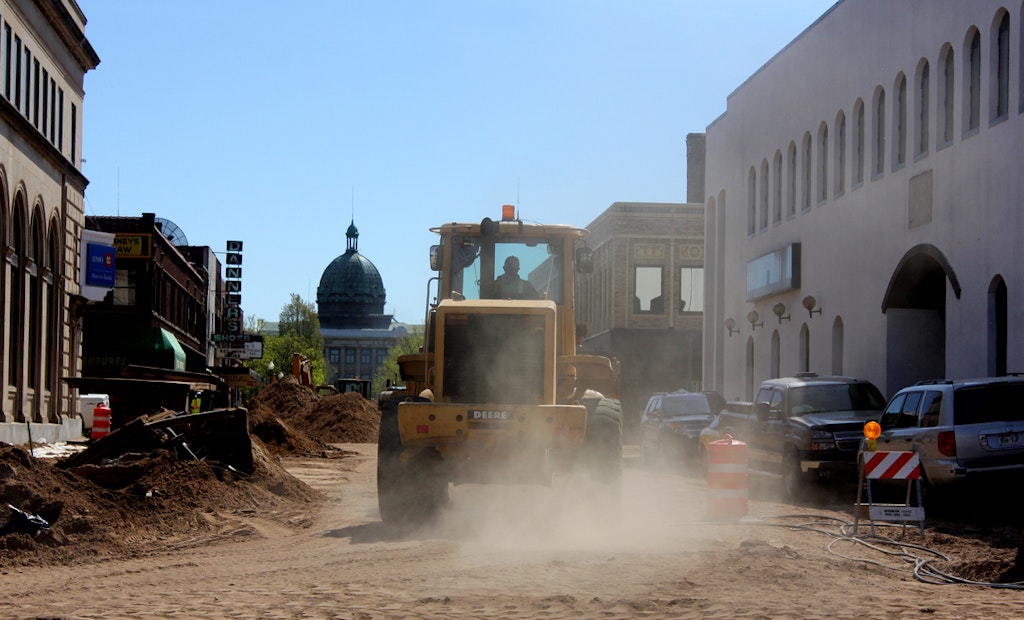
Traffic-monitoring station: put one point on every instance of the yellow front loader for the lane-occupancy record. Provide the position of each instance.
(499, 393)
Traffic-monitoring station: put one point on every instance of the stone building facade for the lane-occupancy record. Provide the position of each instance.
(864, 196)
(44, 56)
(643, 305)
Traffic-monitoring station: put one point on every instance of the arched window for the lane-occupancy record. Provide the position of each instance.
(822, 163)
(16, 310)
(805, 349)
(752, 202)
(777, 188)
(807, 171)
(997, 334)
(878, 146)
(899, 129)
(35, 301)
(972, 90)
(948, 93)
(764, 194)
(839, 182)
(858, 142)
(921, 105)
(1000, 97)
(51, 301)
(837, 346)
(791, 185)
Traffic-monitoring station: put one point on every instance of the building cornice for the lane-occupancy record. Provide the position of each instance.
(64, 24)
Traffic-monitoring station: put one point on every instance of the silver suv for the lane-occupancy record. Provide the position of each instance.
(961, 429)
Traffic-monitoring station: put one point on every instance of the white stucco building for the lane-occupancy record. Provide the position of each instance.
(874, 165)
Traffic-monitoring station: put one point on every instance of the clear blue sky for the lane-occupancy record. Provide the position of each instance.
(238, 121)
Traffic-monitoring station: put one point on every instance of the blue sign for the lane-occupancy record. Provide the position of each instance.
(99, 265)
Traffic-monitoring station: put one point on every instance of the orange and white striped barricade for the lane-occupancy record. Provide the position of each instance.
(727, 479)
(891, 465)
(100, 421)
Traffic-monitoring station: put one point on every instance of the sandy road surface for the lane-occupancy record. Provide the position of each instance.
(502, 552)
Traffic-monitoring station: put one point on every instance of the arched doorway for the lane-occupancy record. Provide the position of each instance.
(915, 325)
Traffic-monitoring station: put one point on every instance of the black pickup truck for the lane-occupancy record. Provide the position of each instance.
(804, 427)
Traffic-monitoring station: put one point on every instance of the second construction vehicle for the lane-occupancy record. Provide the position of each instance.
(498, 392)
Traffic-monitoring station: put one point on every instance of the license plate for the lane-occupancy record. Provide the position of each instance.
(1008, 440)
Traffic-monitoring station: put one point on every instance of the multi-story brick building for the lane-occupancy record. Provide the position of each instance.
(149, 342)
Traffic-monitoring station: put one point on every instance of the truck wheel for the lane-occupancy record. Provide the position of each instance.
(602, 447)
(411, 492)
(793, 480)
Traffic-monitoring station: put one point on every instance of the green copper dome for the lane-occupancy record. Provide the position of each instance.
(351, 293)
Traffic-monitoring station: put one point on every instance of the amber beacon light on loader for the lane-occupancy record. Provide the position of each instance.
(498, 393)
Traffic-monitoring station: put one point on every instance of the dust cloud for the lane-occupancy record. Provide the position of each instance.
(656, 509)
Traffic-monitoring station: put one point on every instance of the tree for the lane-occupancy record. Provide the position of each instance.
(300, 318)
(298, 332)
(388, 370)
(254, 324)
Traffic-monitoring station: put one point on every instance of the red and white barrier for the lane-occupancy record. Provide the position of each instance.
(892, 466)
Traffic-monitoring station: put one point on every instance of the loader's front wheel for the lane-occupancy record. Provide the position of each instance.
(410, 492)
(602, 449)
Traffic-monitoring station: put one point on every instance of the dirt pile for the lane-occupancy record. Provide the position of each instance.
(293, 419)
(160, 501)
(144, 501)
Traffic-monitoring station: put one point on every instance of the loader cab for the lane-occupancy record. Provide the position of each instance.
(472, 259)
(483, 343)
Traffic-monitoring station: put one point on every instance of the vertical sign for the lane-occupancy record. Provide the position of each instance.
(233, 282)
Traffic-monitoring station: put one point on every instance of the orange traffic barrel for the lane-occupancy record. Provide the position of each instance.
(727, 479)
(100, 421)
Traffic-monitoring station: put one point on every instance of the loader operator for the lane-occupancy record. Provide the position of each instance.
(511, 286)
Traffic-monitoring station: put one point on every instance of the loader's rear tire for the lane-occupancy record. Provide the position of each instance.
(602, 451)
(412, 492)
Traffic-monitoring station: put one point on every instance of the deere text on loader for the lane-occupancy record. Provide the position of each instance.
(498, 393)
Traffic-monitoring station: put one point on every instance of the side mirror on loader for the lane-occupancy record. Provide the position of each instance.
(435, 257)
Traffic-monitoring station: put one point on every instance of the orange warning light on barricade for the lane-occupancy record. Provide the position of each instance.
(872, 430)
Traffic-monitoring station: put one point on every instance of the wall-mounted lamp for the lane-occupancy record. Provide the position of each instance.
(809, 303)
(730, 324)
(780, 309)
(753, 317)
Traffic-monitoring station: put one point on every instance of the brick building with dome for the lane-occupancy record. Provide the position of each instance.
(350, 305)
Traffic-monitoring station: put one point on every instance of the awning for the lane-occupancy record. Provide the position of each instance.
(168, 342)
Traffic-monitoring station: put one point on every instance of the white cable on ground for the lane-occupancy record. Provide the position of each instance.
(919, 556)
